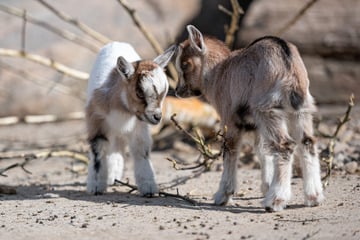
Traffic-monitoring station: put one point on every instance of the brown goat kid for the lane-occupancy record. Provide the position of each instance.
(263, 85)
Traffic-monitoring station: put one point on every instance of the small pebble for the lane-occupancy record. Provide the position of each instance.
(351, 167)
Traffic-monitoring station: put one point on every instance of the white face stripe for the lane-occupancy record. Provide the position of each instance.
(155, 82)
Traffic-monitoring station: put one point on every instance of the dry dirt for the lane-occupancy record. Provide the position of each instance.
(51, 202)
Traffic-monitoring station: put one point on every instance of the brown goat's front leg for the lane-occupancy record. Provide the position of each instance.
(228, 180)
(266, 162)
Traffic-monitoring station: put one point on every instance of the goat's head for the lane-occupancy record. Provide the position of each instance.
(146, 86)
(189, 64)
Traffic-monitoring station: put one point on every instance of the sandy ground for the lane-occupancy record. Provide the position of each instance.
(51, 203)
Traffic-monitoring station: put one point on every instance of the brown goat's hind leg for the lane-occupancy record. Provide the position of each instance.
(310, 165)
(272, 127)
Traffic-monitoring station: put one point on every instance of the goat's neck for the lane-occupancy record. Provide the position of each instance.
(212, 61)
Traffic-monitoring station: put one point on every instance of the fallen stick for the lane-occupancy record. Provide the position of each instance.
(43, 154)
(161, 193)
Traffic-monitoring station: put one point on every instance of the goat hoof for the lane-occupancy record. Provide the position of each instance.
(96, 188)
(314, 200)
(148, 189)
(275, 205)
(222, 199)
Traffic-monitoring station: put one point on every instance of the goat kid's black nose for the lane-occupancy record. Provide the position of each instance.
(157, 116)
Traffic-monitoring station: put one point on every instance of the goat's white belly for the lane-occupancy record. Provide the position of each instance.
(120, 123)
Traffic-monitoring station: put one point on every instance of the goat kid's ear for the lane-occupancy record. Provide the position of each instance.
(196, 38)
(125, 67)
(163, 59)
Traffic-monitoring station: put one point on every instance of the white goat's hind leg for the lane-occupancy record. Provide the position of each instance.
(228, 181)
(309, 160)
(273, 129)
(267, 164)
(115, 161)
(97, 168)
(140, 148)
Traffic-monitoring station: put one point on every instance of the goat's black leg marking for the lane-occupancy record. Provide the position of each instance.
(95, 148)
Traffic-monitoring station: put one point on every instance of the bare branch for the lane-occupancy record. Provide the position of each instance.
(206, 164)
(296, 17)
(83, 27)
(150, 37)
(161, 193)
(234, 24)
(224, 10)
(205, 150)
(23, 32)
(328, 154)
(61, 88)
(62, 33)
(44, 154)
(36, 119)
(46, 62)
(7, 190)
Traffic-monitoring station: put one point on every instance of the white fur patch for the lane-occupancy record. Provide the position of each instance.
(156, 79)
(121, 122)
(106, 61)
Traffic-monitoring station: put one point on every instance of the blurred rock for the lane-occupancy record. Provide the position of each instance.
(351, 167)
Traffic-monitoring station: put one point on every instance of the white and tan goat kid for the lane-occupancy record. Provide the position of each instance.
(263, 85)
(125, 94)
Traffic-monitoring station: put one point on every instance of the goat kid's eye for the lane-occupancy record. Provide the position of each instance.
(140, 94)
(184, 66)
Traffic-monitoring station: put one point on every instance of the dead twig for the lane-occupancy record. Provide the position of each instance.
(60, 32)
(161, 193)
(39, 155)
(327, 155)
(23, 32)
(234, 24)
(46, 62)
(39, 81)
(150, 37)
(38, 119)
(7, 190)
(295, 18)
(205, 164)
(205, 150)
(83, 27)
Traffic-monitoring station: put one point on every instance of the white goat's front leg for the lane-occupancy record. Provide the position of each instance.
(309, 161)
(228, 181)
(98, 166)
(115, 160)
(267, 164)
(140, 148)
